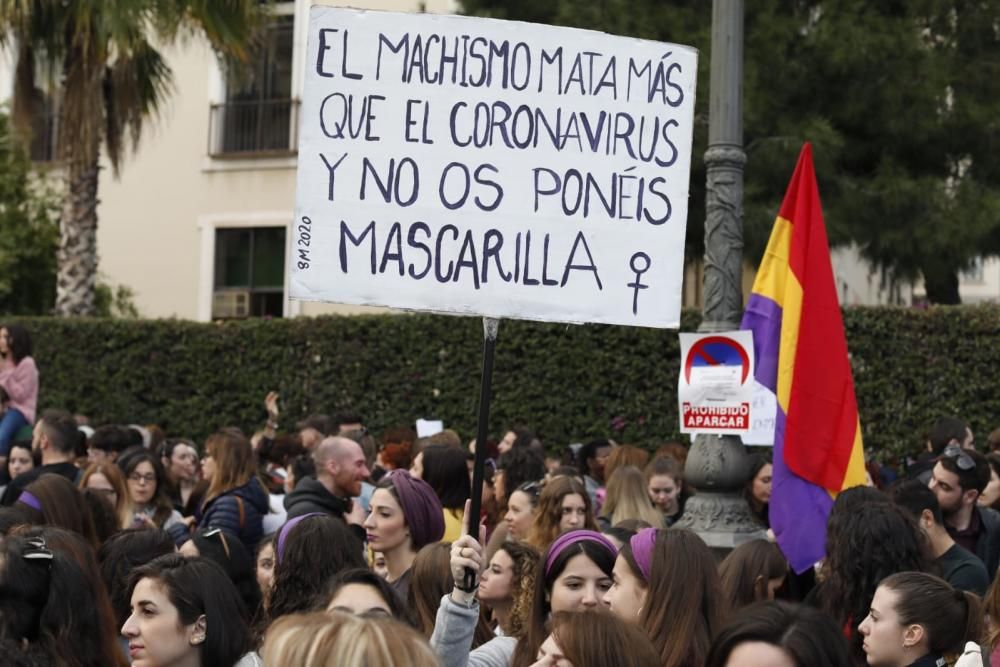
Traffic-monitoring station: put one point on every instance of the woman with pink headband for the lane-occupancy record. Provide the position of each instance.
(573, 575)
(674, 571)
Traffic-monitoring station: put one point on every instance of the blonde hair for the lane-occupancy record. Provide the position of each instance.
(336, 639)
(627, 498)
(112, 473)
(234, 462)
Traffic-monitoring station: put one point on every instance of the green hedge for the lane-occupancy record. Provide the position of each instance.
(568, 382)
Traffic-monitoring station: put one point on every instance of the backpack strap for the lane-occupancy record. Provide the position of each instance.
(243, 514)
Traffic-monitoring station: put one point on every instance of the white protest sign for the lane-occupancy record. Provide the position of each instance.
(428, 427)
(487, 167)
(716, 383)
(763, 412)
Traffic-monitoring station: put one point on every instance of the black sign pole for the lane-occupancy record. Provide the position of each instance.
(490, 327)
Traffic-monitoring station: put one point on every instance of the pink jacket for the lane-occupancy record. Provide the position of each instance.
(21, 384)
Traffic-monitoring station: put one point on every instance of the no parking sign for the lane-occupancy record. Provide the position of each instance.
(715, 388)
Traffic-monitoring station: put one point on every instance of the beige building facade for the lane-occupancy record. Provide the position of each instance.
(196, 225)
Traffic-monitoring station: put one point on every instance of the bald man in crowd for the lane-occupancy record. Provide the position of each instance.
(340, 470)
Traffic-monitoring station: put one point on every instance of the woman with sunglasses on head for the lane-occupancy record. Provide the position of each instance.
(228, 552)
(522, 508)
(186, 611)
(149, 503)
(19, 385)
(666, 582)
(573, 575)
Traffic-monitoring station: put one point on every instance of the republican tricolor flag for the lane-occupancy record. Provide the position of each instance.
(801, 355)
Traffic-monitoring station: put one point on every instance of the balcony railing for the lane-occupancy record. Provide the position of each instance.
(258, 128)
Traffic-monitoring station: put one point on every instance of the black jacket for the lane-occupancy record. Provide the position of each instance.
(988, 544)
(311, 496)
(239, 512)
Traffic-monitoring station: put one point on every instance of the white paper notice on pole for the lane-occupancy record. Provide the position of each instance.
(763, 412)
(716, 385)
(494, 168)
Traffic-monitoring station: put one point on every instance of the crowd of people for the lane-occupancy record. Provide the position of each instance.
(321, 544)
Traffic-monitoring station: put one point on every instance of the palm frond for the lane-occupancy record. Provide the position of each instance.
(26, 103)
(135, 86)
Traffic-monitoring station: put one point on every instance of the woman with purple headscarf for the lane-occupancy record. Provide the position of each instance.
(405, 515)
(666, 581)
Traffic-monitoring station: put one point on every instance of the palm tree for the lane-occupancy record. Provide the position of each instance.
(100, 59)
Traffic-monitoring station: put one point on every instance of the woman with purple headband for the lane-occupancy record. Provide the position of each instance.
(405, 515)
(573, 575)
(666, 581)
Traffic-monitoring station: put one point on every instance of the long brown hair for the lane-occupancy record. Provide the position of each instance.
(595, 638)
(235, 463)
(113, 474)
(685, 607)
(525, 560)
(747, 570)
(549, 515)
(62, 506)
(431, 580)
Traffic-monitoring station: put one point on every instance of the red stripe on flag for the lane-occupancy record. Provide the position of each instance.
(822, 410)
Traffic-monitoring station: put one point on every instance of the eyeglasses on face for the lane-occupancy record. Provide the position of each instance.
(139, 478)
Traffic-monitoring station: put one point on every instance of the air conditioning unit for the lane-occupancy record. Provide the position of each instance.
(230, 303)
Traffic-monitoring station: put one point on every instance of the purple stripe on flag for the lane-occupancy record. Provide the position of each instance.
(763, 317)
(798, 509)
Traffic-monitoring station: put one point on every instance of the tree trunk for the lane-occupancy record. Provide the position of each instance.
(941, 283)
(77, 274)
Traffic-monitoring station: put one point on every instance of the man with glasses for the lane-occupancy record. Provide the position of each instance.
(957, 479)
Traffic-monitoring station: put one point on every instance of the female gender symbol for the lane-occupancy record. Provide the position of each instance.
(636, 286)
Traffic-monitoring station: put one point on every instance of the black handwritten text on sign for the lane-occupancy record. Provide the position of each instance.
(494, 168)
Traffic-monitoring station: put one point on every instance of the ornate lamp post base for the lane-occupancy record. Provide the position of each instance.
(719, 513)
